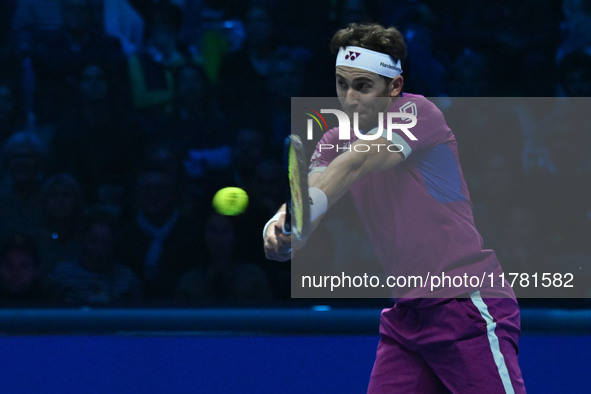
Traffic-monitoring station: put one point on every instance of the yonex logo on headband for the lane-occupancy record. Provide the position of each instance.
(352, 55)
(373, 61)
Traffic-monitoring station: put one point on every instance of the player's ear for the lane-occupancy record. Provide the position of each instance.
(395, 87)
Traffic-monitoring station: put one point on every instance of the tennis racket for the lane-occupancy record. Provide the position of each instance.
(297, 220)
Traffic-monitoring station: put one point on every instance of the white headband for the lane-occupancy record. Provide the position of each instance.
(369, 60)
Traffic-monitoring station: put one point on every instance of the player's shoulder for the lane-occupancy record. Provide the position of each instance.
(409, 102)
(417, 105)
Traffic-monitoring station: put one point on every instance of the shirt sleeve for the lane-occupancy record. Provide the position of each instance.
(430, 129)
(327, 149)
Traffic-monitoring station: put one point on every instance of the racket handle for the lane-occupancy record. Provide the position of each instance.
(287, 224)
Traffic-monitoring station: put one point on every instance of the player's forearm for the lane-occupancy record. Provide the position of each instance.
(338, 177)
(344, 170)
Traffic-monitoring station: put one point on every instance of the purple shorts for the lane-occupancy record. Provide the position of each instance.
(465, 345)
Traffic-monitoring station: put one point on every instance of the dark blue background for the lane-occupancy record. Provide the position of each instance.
(243, 364)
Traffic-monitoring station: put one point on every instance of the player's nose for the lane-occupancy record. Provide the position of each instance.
(351, 97)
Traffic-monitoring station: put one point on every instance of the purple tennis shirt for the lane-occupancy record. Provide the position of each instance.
(418, 214)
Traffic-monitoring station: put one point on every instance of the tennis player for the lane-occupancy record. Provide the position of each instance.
(414, 204)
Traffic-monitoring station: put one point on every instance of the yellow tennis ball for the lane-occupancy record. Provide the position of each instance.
(230, 201)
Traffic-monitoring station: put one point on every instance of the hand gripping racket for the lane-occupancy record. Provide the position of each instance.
(297, 219)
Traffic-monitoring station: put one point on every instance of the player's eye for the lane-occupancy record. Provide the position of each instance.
(341, 84)
(364, 87)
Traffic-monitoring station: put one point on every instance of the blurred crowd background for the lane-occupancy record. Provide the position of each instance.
(119, 119)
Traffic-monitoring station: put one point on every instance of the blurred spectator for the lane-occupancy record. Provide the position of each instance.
(59, 236)
(569, 146)
(479, 125)
(574, 73)
(33, 19)
(197, 114)
(25, 160)
(520, 247)
(265, 192)
(160, 241)
(532, 36)
(19, 271)
(243, 73)
(265, 186)
(500, 189)
(248, 148)
(521, 36)
(355, 11)
(212, 29)
(252, 61)
(286, 79)
(562, 138)
(224, 276)
(470, 75)
(560, 186)
(163, 158)
(98, 140)
(96, 276)
(58, 57)
(195, 121)
(210, 170)
(121, 20)
(11, 110)
(575, 28)
(262, 130)
(309, 32)
(152, 69)
(558, 179)
(424, 71)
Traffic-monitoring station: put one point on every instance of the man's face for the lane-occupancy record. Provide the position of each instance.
(285, 79)
(259, 25)
(158, 195)
(363, 92)
(93, 83)
(190, 86)
(61, 201)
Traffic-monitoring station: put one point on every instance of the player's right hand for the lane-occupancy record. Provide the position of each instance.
(277, 244)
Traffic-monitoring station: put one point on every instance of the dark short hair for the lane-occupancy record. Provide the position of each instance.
(69, 181)
(371, 36)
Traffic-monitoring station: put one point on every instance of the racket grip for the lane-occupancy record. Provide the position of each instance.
(287, 224)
